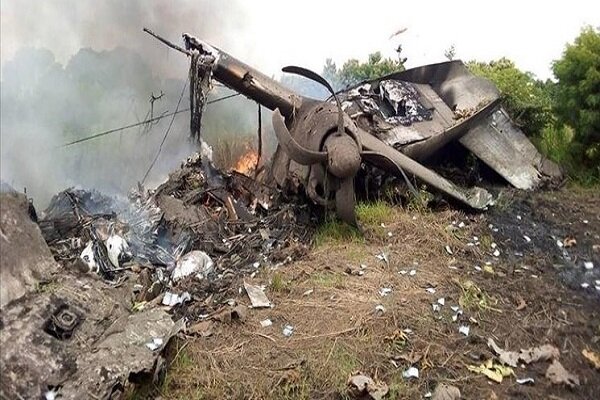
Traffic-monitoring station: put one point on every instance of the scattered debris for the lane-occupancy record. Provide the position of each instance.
(308, 292)
(155, 344)
(464, 329)
(171, 299)
(448, 250)
(117, 249)
(46, 334)
(361, 386)
(385, 291)
(196, 263)
(527, 356)
(202, 328)
(494, 371)
(383, 256)
(542, 353)
(266, 323)
(560, 376)
(446, 392)
(380, 309)
(588, 265)
(411, 372)
(228, 314)
(524, 381)
(521, 303)
(592, 357)
(288, 330)
(257, 296)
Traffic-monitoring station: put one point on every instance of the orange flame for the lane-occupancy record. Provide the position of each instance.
(247, 163)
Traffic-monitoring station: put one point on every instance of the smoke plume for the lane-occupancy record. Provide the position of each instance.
(71, 68)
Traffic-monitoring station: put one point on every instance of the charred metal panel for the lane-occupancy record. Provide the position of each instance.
(500, 144)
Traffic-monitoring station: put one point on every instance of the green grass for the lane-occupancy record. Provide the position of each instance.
(346, 362)
(374, 214)
(293, 389)
(182, 364)
(47, 287)
(399, 388)
(558, 144)
(279, 284)
(328, 280)
(554, 142)
(486, 242)
(334, 231)
(420, 202)
(369, 215)
(474, 298)
(504, 200)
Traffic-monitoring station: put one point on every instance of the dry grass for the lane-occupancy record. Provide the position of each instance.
(336, 329)
(228, 150)
(338, 332)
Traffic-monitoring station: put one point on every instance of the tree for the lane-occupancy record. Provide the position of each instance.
(526, 98)
(353, 71)
(578, 93)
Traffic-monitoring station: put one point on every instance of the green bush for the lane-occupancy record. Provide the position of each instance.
(577, 95)
(527, 99)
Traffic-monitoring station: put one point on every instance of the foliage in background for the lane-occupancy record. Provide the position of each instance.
(527, 99)
(577, 95)
(353, 71)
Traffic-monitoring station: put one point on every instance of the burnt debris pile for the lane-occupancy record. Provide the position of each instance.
(196, 232)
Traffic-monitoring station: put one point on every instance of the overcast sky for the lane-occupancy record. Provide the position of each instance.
(274, 33)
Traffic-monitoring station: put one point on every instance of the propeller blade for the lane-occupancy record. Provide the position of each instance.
(345, 200)
(296, 151)
(307, 73)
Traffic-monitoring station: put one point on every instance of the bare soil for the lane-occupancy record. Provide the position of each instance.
(528, 295)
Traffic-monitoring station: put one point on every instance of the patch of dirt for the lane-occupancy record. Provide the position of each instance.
(527, 294)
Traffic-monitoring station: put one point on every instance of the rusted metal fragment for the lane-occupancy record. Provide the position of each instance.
(500, 144)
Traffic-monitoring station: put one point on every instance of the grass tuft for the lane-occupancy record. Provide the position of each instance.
(474, 298)
(328, 280)
(279, 284)
(374, 214)
(334, 231)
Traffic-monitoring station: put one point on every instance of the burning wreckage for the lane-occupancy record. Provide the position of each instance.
(134, 272)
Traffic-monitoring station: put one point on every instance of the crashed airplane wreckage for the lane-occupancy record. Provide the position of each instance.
(393, 123)
(167, 258)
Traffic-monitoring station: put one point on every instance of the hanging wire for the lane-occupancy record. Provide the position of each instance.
(166, 133)
(97, 135)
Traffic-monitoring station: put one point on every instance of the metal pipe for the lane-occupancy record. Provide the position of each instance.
(253, 84)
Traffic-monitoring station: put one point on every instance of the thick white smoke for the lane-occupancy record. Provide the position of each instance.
(71, 68)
